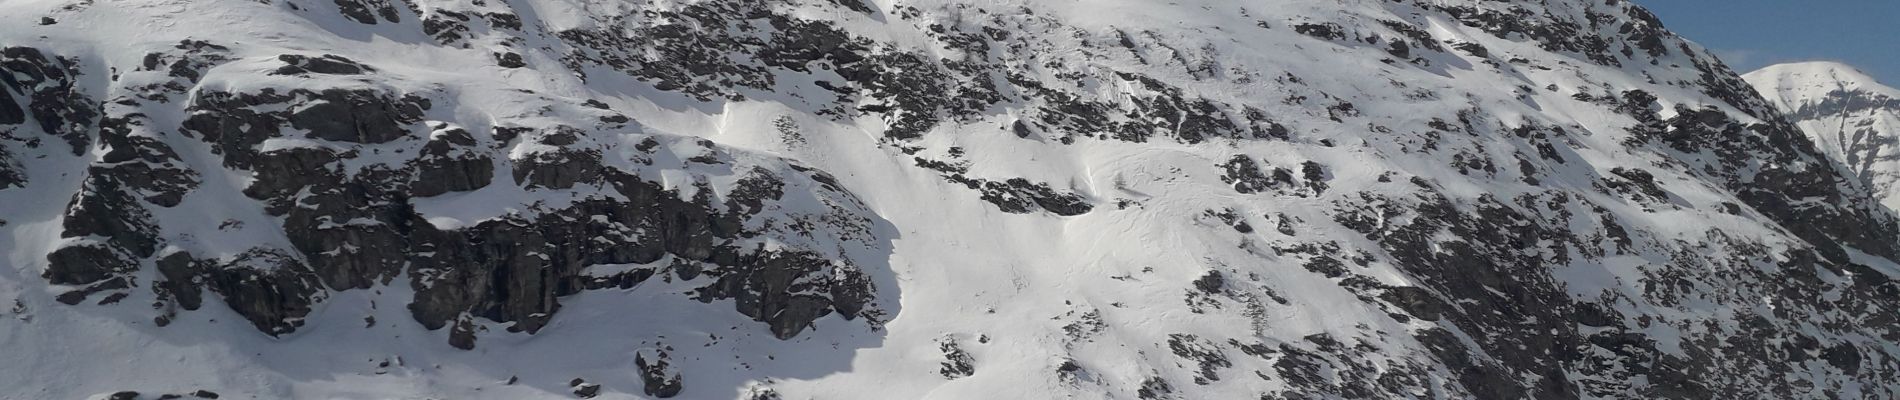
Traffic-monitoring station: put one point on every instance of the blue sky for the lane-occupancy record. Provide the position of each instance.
(1749, 34)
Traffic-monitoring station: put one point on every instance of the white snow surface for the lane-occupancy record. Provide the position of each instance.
(1850, 115)
(1001, 285)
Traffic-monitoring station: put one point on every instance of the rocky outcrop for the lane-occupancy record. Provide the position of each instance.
(659, 379)
(451, 162)
(1774, 192)
(521, 266)
(1466, 199)
(49, 88)
(109, 220)
(368, 11)
(1851, 117)
(340, 169)
(513, 269)
(328, 64)
(270, 288)
(356, 117)
(344, 222)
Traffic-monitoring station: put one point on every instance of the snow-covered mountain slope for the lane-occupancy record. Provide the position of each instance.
(852, 199)
(1850, 115)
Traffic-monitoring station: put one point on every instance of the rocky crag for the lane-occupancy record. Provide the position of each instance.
(909, 199)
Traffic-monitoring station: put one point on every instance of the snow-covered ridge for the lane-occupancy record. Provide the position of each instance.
(1796, 83)
(849, 199)
(1853, 117)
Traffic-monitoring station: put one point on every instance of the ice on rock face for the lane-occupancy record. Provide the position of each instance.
(930, 199)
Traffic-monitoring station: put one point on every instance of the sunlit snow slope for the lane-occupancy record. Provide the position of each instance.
(893, 199)
(1849, 115)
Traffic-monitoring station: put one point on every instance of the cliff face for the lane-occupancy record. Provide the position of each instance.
(846, 199)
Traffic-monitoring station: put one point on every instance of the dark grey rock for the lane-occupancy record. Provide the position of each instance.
(357, 116)
(12, 174)
(956, 362)
(1019, 196)
(1416, 301)
(183, 281)
(451, 163)
(268, 287)
(52, 94)
(462, 336)
(559, 169)
(509, 60)
(587, 390)
(10, 111)
(327, 64)
(658, 378)
(366, 11)
(1212, 282)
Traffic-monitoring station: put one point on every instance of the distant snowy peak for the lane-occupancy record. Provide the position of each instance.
(1851, 116)
(1800, 88)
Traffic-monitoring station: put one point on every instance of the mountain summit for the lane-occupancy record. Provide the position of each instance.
(1850, 115)
(898, 199)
